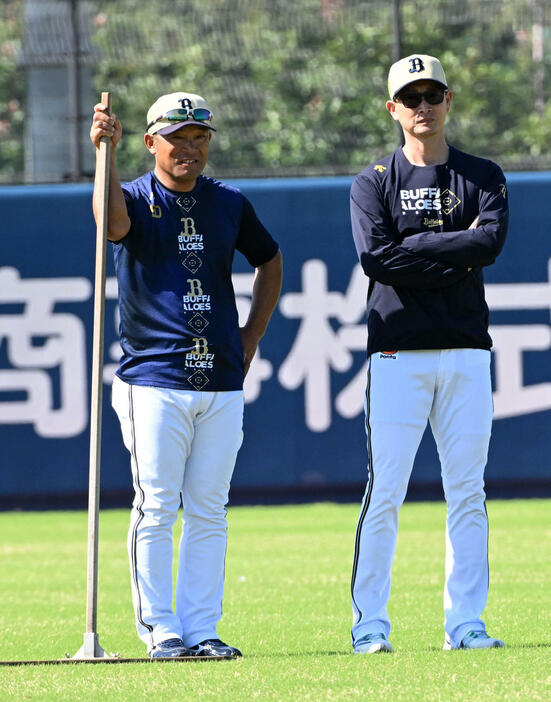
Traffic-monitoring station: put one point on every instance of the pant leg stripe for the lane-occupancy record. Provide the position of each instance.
(367, 497)
(138, 508)
(487, 547)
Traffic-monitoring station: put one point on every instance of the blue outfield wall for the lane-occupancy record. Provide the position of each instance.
(304, 431)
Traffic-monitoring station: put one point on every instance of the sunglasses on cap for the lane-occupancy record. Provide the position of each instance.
(198, 114)
(434, 96)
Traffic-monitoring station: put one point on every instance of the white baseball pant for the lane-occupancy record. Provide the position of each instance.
(452, 390)
(183, 446)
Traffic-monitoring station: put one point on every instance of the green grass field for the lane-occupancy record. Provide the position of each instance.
(287, 606)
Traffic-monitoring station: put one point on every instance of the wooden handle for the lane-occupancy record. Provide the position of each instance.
(102, 188)
(106, 100)
(102, 172)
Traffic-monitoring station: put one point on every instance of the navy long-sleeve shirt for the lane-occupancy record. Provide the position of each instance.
(412, 226)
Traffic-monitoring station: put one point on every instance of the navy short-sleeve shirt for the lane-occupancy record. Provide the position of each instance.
(178, 318)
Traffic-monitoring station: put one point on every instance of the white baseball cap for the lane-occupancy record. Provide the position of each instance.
(175, 110)
(412, 68)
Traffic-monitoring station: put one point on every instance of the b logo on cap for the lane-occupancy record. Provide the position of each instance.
(186, 103)
(417, 65)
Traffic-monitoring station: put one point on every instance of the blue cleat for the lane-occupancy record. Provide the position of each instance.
(170, 648)
(475, 639)
(214, 647)
(373, 643)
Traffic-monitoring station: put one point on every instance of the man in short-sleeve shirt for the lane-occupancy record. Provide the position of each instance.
(178, 391)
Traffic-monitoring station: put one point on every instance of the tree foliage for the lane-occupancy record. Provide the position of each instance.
(299, 88)
(11, 94)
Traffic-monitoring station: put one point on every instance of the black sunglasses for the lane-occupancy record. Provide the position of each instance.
(412, 100)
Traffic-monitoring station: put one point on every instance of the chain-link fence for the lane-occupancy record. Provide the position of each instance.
(298, 87)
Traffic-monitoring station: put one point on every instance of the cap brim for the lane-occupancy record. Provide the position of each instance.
(415, 80)
(178, 125)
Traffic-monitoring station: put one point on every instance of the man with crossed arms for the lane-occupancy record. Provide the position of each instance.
(426, 220)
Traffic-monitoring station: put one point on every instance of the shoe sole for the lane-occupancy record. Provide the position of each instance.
(216, 655)
(449, 647)
(183, 654)
(376, 648)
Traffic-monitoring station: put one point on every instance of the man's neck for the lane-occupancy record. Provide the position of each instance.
(426, 153)
(180, 186)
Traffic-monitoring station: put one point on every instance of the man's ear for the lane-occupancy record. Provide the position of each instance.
(449, 96)
(149, 141)
(391, 107)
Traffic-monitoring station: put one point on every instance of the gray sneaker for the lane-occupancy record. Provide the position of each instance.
(373, 643)
(475, 639)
